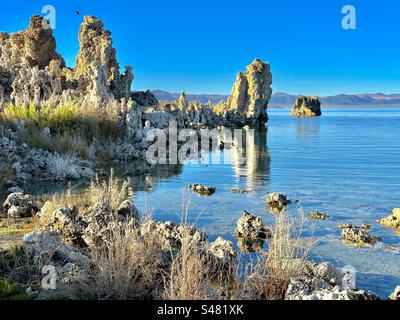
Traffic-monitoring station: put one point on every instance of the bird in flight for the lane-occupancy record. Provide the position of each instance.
(78, 13)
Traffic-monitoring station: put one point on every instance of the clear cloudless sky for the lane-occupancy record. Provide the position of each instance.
(199, 46)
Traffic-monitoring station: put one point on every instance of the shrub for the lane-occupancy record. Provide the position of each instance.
(190, 275)
(125, 267)
(17, 267)
(285, 259)
(62, 166)
(112, 192)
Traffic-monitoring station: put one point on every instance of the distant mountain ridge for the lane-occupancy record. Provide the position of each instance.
(284, 99)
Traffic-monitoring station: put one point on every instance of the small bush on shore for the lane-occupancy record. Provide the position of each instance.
(285, 259)
(111, 192)
(128, 266)
(190, 274)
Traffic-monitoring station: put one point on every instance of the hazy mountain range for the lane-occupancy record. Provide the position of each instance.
(283, 99)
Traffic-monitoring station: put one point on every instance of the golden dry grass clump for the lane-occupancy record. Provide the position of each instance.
(86, 131)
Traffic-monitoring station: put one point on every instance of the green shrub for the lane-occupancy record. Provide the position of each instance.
(12, 291)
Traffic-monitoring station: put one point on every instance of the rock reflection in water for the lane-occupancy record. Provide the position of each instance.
(144, 178)
(308, 128)
(139, 174)
(254, 171)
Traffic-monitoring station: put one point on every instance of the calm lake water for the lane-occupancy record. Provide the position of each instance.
(345, 163)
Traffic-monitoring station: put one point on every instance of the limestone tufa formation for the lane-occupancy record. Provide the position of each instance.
(307, 107)
(32, 71)
(392, 221)
(251, 93)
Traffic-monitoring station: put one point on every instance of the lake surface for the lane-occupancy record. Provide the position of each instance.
(345, 163)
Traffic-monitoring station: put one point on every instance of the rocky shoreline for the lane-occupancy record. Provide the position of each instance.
(69, 237)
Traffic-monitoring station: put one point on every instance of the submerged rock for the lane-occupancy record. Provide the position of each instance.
(19, 205)
(392, 221)
(202, 190)
(357, 236)
(316, 215)
(277, 201)
(238, 190)
(307, 106)
(251, 233)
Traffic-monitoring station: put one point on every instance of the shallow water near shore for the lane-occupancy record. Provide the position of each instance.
(345, 163)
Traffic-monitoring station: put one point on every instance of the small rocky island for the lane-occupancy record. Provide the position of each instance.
(307, 107)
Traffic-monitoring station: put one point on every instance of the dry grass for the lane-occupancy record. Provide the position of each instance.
(190, 274)
(57, 201)
(82, 130)
(127, 266)
(112, 192)
(285, 259)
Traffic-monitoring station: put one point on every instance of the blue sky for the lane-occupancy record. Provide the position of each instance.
(198, 46)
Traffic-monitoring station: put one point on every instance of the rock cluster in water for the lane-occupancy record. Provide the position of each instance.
(316, 215)
(32, 72)
(277, 201)
(251, 233)
(202, 190)
(358, 236)
(246, 106)
(307, 107)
